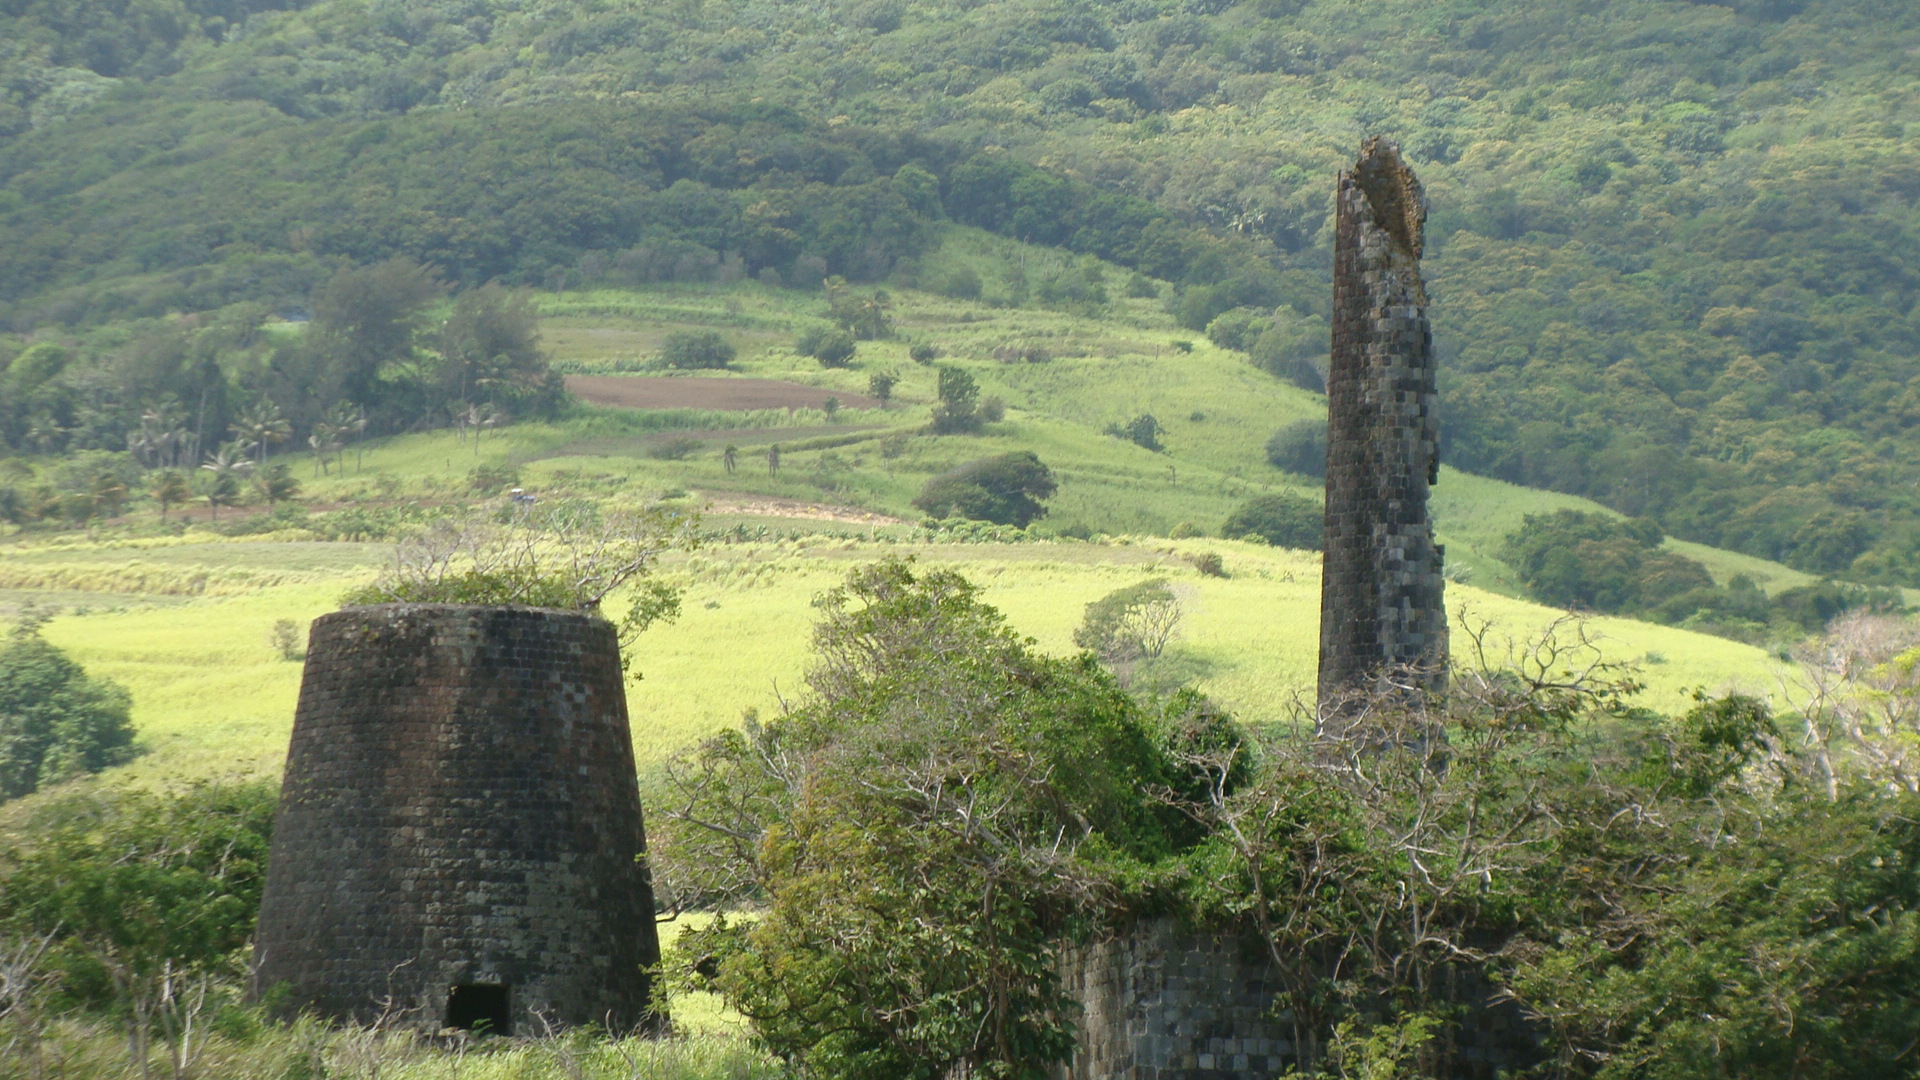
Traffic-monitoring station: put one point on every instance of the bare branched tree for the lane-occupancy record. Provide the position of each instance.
(1423, 807)
(23, 984)
(1856, 693)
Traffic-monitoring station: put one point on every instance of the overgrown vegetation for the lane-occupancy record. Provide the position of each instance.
(948, 811)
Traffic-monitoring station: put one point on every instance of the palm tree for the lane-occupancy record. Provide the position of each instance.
(325, 440)
(227, 465)
(262, 425)
(169, 487)
(350, 421)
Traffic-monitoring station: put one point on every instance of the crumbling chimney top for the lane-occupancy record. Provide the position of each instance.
(1393, 194)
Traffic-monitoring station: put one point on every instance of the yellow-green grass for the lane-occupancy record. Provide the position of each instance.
(212, 697)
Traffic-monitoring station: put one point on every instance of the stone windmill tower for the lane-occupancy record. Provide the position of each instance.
(1383, 618)
(459, 840)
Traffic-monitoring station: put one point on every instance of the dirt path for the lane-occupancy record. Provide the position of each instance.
(697, 392)
(772, 506)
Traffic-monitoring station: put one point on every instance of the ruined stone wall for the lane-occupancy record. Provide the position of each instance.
(459, 834)
(1163, 1002)
(1382, 609)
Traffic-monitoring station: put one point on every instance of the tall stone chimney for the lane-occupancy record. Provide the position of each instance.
(1383, 619)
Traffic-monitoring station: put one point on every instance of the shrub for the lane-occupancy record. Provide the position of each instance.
(1208, 563)
(566, 555)
(696, 349)
(678, 449)
(1300, 447)
(993, 409)
(1130, 624)
(1283, 520)
(889, 944)
(492, 479)
(1006, 490)
(962, 284)
(287, 640)
(880, 385)
(56, 721)
(833, 348)
(1294, 352)
(922, 353)
(1143, 431)
(1237, 329)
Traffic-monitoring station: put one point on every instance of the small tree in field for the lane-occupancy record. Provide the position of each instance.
(696, 349)
(1131, 624)
(1006, 490)
(958, 409)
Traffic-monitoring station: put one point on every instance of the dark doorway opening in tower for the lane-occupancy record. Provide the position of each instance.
(481, 1008)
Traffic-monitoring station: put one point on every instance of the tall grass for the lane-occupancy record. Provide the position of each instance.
(243, 1048)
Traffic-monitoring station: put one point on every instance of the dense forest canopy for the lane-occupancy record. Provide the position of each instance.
(1672, 249)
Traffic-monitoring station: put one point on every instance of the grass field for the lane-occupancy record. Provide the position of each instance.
(212, 697)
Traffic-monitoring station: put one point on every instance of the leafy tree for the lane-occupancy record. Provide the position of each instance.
(1130, 624)
(490, 350)
(957, 410)
(880, 384)
(56, 721)
(961, 802)
(1007, 489)
(367, 323)
(1300, 447)
(276, 483)
(863, 316)
(696, 349)
(1281, 519)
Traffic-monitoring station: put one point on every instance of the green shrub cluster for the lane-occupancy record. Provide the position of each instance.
(56, 721)
(1282, 519)
(1596, 563)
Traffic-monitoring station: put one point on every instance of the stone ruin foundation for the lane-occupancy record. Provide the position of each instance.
(459, 841)
(1166, 1002)
(1383, 618)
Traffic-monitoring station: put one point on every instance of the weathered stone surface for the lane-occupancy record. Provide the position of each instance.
(460, 809)
(1164, 1002)
(1382, 606)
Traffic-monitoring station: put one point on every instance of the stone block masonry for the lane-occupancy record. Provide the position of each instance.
(1383, 619)
(1161, 1001)
(459, 840)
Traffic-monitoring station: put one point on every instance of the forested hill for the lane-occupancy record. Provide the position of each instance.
(1673, 246)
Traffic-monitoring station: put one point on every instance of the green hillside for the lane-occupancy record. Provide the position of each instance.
(1671, 250)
